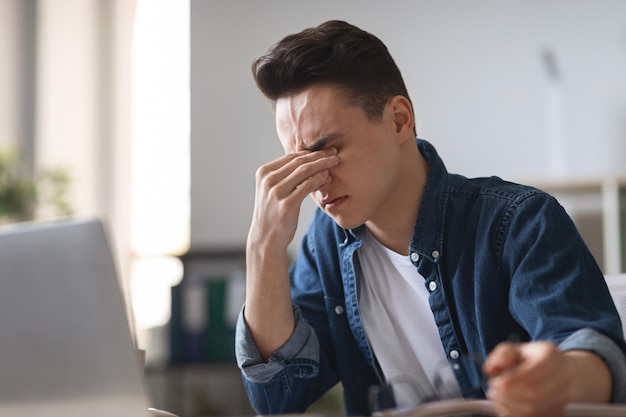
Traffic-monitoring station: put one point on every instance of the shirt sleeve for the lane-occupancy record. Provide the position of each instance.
(557, 289)
(302, 348)
(593, 341)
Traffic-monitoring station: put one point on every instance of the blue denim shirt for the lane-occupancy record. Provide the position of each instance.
(499, 260)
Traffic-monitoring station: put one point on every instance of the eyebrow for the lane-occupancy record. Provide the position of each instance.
(322, 142)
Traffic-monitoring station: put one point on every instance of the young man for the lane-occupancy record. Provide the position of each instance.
(404, 265)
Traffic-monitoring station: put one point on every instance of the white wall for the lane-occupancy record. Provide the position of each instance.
(71, 97)
(17, 86)
(9, 57)
(473, 70)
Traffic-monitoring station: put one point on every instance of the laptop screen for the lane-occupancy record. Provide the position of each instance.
(66, 348)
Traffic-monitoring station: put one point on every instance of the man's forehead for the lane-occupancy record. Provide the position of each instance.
(307, 120)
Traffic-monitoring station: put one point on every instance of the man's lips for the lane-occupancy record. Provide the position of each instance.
(329, 203)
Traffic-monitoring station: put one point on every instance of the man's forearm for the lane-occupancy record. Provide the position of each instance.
(269, 312)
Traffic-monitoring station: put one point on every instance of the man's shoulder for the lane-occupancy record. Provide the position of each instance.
(492, 187)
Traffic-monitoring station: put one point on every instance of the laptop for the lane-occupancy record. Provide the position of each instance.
(66, 348)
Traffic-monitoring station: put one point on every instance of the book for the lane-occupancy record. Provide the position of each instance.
(485, 408)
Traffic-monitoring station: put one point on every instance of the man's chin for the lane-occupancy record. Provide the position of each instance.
(346, 223)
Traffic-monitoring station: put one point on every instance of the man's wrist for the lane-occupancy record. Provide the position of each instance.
(592, 380)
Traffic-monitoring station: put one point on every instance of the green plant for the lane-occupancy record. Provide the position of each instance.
(22, 193)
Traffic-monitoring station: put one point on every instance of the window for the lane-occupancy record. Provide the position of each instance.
(160, 156)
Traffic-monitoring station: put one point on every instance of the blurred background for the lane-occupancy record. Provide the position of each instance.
(144, 113)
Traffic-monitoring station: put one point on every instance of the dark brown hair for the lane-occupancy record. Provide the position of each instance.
(334, 52)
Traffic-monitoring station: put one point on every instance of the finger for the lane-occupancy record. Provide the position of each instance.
(538, 362)
(515, 406)
(312, 183)
(299, 158)
(286, 158)
(276, 171)
(301, 173)
(504, 356)
(519, 388)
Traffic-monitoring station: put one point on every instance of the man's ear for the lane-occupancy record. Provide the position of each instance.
(402, 113)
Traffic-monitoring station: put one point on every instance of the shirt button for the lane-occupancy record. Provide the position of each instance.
(432, 286)
(435, 254)
(339, 310)
(454, 354)
(415, 257)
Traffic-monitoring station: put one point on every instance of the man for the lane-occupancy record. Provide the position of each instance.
(405, 265)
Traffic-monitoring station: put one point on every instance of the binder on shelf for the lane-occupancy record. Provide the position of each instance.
(201, 328)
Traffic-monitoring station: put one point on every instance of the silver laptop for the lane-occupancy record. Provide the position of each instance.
(65, 345)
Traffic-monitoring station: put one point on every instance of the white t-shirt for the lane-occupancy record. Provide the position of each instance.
(398, 321)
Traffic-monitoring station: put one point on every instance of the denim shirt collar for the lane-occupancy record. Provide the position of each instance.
(428, 232)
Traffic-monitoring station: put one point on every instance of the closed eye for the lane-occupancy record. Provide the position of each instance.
(324, 142)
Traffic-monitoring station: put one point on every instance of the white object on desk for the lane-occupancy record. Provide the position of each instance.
(160, 413)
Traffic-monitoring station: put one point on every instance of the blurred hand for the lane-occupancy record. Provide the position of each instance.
(529, 380)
